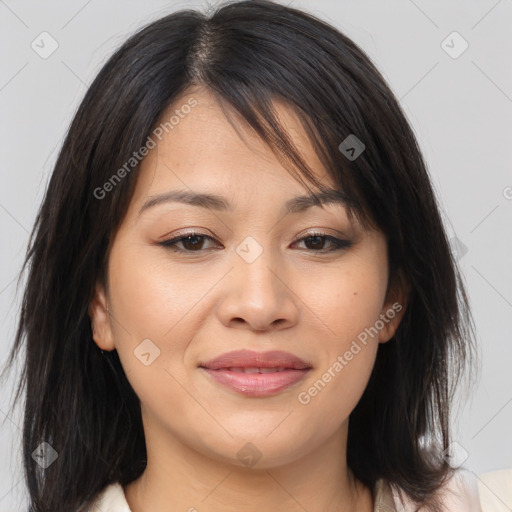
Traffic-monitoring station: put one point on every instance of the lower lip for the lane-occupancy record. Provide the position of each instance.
(257, 384)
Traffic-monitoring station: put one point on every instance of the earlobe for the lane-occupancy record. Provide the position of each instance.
(391, 316)
(100, 320)
(394, 309)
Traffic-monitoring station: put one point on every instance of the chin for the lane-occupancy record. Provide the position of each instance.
(257, 452)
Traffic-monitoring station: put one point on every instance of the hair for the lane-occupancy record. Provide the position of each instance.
(248, 54)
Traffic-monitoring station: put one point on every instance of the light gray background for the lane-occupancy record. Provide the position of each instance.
(459, 108)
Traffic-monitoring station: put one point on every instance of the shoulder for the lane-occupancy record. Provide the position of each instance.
(111, 499)
(459, 494)
(495, 490)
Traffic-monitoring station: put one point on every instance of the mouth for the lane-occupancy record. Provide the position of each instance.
(255, 370)
(249, 360)
(256, 374)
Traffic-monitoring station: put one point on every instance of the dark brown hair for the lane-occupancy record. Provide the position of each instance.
(247, 54)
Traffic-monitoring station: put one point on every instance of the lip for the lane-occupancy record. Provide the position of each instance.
(227, 370)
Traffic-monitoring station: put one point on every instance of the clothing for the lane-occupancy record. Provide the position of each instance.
(112, 499)
(491, 492)
(496, 490)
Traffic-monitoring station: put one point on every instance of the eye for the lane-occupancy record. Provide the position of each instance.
(194, 242)
(317, 240)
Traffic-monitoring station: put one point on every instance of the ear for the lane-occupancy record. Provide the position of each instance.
(394, 307)
(100, 320)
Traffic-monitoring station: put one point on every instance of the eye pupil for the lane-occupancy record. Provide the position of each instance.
(195, 244)
(317, 240)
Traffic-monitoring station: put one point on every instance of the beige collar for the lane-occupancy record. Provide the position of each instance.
(112, 499)
(383, 497)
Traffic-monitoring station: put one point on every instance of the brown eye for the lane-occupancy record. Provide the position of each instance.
(316, 241)
(194, 242)
(191, 242)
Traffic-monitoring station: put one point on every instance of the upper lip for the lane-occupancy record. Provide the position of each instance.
(251, 359)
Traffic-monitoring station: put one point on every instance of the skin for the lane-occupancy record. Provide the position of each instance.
(296, 296)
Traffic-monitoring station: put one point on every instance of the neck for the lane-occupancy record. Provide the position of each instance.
(180, 478)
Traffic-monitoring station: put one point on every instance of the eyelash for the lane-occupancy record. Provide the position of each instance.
(337, 243)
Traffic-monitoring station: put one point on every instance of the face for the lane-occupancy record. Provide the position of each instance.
(248, 275)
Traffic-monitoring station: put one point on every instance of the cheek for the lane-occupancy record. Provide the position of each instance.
(347, 300)
(347, 357)
(152, 304)
(150, 294)
(337, 387)
(350, 302)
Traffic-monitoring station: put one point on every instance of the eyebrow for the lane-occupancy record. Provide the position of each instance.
(219, 203)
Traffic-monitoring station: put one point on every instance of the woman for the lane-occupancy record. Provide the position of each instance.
(241, 293)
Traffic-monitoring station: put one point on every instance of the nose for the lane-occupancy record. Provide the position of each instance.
(259, 296)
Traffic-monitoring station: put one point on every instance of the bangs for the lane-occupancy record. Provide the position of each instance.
(217, 62)
(256, 109)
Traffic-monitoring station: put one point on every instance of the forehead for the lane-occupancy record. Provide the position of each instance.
(206, 145)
